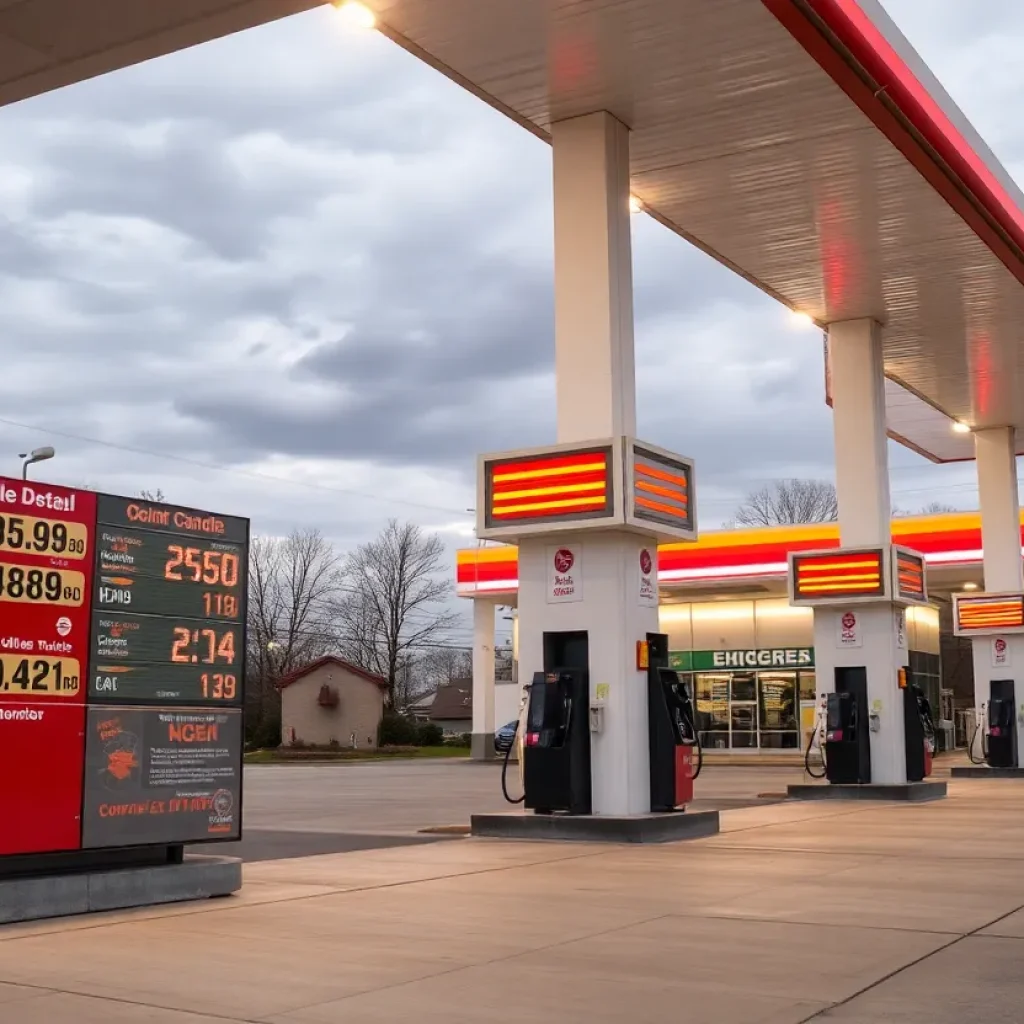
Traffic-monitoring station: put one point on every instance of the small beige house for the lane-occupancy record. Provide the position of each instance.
(331, 701)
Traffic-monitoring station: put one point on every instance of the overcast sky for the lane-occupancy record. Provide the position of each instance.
(282, 221)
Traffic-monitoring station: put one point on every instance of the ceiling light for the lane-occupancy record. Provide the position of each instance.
(355, 14)
(801, 319)
(970, 586)
(635, 205)
(960, 428)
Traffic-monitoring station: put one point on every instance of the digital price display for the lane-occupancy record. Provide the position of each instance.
(986, 614)
(169, 604)
(844, 574)
(549, 487)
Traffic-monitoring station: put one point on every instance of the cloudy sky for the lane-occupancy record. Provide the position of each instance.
(290, 226)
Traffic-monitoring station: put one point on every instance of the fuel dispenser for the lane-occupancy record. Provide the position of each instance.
(556, 741)
(919, 732)
(1002, 725)
(847, 738)
(675, 752)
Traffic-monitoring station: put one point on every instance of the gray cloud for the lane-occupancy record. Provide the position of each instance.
(334, 272)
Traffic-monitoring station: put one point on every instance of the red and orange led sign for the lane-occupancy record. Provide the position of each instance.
(838, 574)
(549, 487)
(988, 613)
(909, 575)
(661, 488)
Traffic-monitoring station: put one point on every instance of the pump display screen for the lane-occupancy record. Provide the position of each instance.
(989, 613)
(842, 574)
(549, 487)
(661, 489)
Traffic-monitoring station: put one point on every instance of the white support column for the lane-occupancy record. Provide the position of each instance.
(865, 520)
(594, 371)
(1000, 508)
(858, 415)
(596, 393)
(483, 679)
(995, 450)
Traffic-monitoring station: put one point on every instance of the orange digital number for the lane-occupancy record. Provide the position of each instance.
(177, 554)
(219, 686)
(179, 646)
(225, 605)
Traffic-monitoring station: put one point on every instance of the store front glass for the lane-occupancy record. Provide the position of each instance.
(750, 710)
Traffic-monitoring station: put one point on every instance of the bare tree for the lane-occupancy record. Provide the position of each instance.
(933, 508)
(157, 495)
(446, 664)
(293, 583)
(394, 605)
(790, 501)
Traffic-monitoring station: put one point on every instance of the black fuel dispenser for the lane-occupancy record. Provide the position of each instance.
(675, 751)
(1002, 724)
(919, 732)
(556, 743)
(847, 737)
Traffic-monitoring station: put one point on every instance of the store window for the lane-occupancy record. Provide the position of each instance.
(751, 710)
(777, 693)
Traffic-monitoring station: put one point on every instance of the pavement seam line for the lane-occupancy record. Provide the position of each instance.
(44, 991)
(906, 967)
(215, 906)
(485, 963)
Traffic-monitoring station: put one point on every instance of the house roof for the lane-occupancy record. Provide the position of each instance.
(453, 701)
(330, 659)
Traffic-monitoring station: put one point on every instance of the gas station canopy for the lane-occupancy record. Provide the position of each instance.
(803, 143)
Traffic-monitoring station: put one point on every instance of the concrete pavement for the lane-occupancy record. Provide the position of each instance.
(796, 912)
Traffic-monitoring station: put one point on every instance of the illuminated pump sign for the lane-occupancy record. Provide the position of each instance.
(660, 488)
(986, 614)
(909, 576)
(616, 482)
(852, 575)
(122, 641)
(838, 576)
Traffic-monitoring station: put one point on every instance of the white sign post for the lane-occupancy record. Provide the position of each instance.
(848, 632)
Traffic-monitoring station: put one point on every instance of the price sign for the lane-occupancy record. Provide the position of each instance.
(43, 536)
(62, 587)
(161, 575)
(46, 560)
(169, 605)
(32, 677)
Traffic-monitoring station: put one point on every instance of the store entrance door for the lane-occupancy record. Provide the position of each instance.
(743, 711)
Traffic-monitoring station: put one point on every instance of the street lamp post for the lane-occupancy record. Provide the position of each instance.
(36, 455)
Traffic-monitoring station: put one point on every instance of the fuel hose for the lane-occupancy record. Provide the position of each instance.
(504, 770)
(807, 757)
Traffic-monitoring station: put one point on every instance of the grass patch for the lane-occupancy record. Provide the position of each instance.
(287, 755)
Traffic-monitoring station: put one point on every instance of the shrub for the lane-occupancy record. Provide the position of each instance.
(464, 739)
(429, 735)
(396, 731)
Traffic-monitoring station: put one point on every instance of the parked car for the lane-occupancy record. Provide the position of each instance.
(504, 736)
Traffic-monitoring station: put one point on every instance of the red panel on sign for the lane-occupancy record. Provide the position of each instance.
(42, 754)
(46, 568)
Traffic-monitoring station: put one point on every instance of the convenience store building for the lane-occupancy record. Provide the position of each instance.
(749, 655)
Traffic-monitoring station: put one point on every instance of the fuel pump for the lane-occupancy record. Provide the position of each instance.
(1002, 725)
(556, 745)
(919, 731)
(847, 740)
(676, 756)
